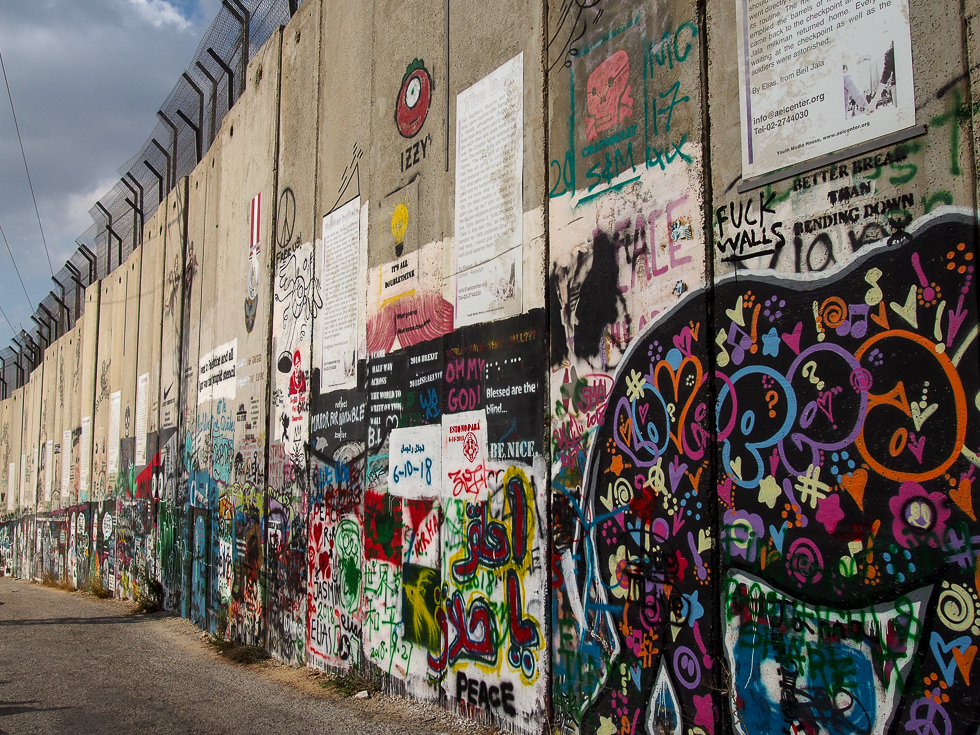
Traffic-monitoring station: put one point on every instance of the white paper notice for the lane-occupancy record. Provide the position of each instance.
(464, 455)
(415, 462)
(399, 277)
(48, 469)
(216, 373)
(85, 461)
(491, 290)
(66, 457)
(816, 76)
(339, 253)
(23, 464)
(11, 485)
(489, 167)
(112, 452)
(142, 398)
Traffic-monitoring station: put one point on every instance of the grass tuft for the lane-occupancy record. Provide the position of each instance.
(237, 653)
(98, 589)
(49, 580)
(349, 684)
(149, 593)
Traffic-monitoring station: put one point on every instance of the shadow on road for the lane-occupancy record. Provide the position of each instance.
(73, 621)
(17, 708)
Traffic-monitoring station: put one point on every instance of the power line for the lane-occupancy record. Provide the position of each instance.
(26, 168)
(29, 304)
(8, 321)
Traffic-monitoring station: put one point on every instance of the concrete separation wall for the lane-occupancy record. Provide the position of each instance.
(484, 365)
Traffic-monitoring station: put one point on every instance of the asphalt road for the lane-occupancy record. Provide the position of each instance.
(71, 663)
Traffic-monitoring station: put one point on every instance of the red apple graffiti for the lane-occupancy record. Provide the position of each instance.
(413, 99)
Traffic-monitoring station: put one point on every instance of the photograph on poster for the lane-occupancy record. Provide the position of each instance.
(840, 67)
(869, 81)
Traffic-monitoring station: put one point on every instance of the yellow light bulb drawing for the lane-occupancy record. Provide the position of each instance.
(399, 223)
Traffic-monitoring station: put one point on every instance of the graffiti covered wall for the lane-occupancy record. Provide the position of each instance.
(501, 378)
(744, 542)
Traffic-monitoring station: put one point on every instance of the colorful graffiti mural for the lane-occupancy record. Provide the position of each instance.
(800, 476)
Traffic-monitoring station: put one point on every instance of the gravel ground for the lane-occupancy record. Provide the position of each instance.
(72, 663)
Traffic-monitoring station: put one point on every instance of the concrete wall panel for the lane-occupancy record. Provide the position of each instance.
(175, 244)
(7, 503)
(171, 532)
(89, 390)
(15, 439)
(50, 433)
(71, 369)
(146, 418)
(626, 192)
(245, 236)
(6, 452)
(204, 310)
(178, 552)
(105, 416)
(296, 298)
(130, 512)
(337, 448)
(31, 490)
(66, 467)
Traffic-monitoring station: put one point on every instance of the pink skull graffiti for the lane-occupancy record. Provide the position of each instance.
(610, 96)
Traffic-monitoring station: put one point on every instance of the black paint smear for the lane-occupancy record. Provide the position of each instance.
(599, 298)
(559, 338)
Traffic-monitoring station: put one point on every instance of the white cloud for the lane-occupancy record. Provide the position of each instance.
(75, 209)
(160, 13)
(87, 78)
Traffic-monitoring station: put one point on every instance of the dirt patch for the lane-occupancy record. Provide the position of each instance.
(327, 686)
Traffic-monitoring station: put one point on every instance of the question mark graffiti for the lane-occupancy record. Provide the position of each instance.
(810, 371)
(772, 398)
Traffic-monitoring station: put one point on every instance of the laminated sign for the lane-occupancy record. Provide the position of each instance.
(817, 76)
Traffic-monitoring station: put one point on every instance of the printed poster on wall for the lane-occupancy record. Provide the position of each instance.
(86, 458)
(142, 399)
(112, 460)
(400, 273)
(216, 373)
(48, 468)
(66, 456)
(340, 250)
(415, 461)
(817, 76)
(464, 455)
(489, 232)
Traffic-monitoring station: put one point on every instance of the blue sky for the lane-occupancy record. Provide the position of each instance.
(87, 77)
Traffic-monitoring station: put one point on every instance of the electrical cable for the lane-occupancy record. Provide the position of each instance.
(8, 321)
(4, 234)
(26, 167)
